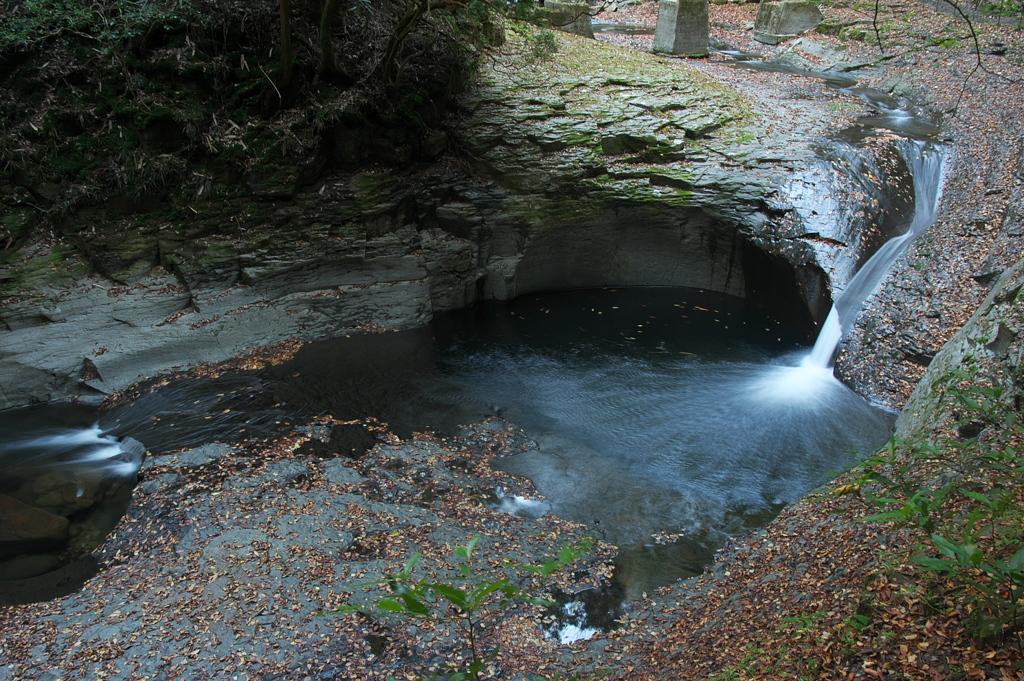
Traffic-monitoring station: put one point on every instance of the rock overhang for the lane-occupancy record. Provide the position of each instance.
(602, 166)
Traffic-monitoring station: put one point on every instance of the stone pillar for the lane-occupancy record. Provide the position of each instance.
(682, 28)
(779, 21)
(568, 17)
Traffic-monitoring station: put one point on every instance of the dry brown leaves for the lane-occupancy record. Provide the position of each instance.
(257, 358)
(811, 600)
(189, 603)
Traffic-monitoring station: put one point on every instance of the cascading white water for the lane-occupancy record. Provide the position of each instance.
(669, 440)
(812, 381)
(825, 346)
(89, 447)
(925, 161)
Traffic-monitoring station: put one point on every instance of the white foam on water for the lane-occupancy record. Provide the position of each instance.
(67, 438)
(122, 468)
(824, 349)
(98, 454)
(519, 506)
(808, 386)
(79, 448)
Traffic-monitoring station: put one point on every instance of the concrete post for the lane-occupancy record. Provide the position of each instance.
(780, 21)
(682, 28)
(569, 17)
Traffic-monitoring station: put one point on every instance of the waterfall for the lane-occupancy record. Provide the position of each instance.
(925, 161)
(87, 448)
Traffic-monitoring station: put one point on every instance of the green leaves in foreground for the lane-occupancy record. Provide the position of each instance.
(965, 499)
(467, 600)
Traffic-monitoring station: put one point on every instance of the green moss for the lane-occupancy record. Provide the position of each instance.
(103, 141)
(59, 264)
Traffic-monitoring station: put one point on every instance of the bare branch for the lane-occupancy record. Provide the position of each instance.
(874, 24)
(978, 65)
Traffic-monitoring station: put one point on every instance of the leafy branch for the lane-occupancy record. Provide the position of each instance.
(467, 601)
(964, 497)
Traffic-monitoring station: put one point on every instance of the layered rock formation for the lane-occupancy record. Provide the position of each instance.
(603, 167)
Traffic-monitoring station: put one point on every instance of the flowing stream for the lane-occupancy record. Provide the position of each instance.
(667, 419)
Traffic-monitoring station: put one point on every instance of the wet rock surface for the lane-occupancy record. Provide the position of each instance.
(27, 529)
(53, 515)
(228, 555)
(940, 283)
(131, 620)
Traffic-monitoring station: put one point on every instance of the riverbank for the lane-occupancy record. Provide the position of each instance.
(229, 554)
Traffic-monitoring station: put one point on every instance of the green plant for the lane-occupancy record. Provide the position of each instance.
(963, 495)
(806, 623)
(1005, 8)
(35, 20)
(541, 45)
(466, 601)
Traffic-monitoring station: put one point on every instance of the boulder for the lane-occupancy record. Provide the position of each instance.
(779, 21)
(63, 491)
(25, 529)
(24, 567)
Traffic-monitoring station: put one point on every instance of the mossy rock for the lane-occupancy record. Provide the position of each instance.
(619, 143)
(39, 268)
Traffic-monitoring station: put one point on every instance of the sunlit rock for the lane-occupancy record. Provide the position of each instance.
(682, 28)
(779, 21)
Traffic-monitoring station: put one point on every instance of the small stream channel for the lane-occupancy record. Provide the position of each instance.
(667, 419)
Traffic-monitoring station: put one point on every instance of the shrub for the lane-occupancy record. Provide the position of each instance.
(467, 601)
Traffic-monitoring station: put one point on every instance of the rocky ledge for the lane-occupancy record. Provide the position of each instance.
(603, 166)
(229, 554)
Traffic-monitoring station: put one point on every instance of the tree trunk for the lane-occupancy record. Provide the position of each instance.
(287, 55)
(327, 64)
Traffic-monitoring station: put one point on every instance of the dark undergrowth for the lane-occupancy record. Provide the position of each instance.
(142, 114)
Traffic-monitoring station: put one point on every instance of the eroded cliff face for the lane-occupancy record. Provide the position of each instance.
(988, 350)
(603, 167)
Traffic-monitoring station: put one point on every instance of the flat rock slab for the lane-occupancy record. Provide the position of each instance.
(227, 555)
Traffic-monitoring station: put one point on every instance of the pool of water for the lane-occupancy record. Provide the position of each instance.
(667, 419)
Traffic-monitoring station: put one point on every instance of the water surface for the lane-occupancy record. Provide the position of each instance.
(667, 419)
